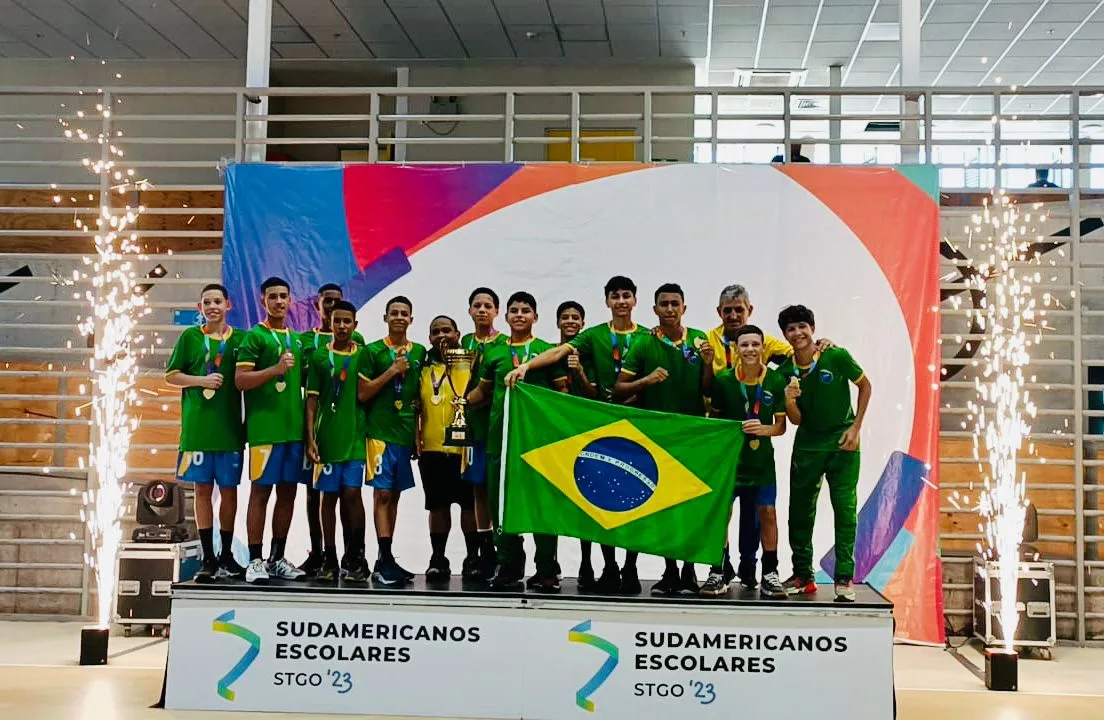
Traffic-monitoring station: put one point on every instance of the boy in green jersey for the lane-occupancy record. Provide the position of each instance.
(314, 339)
(269, 373)
(670, 370)
(818, 401)
(390, 372)
(755, 395)
(482, 309)
(602, 348)
(212, 435)
(521, 314)
(570, 318)
(335, 444)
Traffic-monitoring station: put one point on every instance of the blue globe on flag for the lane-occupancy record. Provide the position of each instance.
(616, 474)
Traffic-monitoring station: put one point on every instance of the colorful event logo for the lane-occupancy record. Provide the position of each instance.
(581, 634)
(224, 624)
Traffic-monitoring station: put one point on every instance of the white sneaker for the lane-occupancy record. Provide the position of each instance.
(283, 570)
(256, 573)
(845, 592)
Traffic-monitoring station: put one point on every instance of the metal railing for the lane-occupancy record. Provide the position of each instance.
(181, 138)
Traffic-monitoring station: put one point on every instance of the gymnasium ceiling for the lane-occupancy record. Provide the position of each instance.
(964, 42)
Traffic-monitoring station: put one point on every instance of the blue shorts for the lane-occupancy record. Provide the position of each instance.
(223, 467)
(279, 463)
(333, 477)
(388, 466)
(763, 495)
(476, 472)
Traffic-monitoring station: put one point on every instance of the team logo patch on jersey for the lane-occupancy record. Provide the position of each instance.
(768, 398)
(826, 376)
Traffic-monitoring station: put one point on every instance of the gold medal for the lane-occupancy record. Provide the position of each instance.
(208, 393)
(398, 404)
(754, 444)
(281, 386)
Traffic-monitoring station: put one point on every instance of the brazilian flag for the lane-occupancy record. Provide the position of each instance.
(653, 482)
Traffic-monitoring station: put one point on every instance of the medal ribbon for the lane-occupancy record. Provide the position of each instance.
(728, 351)
(618, 356)
(477, 346)
(319, 332)
(338, 378)
(286, 344)
(400, 379)
(214, 364)
(682, 345)
(436, 383)
(525, 353)
(808, 371)
(753, 410)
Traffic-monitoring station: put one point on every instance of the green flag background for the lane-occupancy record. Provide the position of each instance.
(652, 482)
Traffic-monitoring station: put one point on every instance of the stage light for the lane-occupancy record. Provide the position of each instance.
(159, 512)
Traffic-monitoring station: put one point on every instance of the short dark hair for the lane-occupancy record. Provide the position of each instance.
(749, 330)
(215, 286)
(331, 286)
(483, 291)
(795, 314)
(398, 299)
(669, 288)
(570, 305)
(523, 297)
(445, 317)
(274, 281)
(346, 306)
(617, 283)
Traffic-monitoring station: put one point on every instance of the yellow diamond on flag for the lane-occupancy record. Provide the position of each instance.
(616, 474)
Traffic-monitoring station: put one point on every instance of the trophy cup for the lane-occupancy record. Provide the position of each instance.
(458, 361)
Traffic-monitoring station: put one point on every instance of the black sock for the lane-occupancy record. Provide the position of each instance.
(487, 540)
(255, 551)
(770, 561)
(437, 543)
(227, 537)
(471, 542)
(206, 541)
(727, 555)
(688, 567)
(349, 536)
(630, 560)
(670, 566)
(384, 548)
(608, 556)
(584, 550)
(357, 543)
(716, 569)
(277, 548)
(329, 556)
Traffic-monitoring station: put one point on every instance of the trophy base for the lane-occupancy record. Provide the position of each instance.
(458, 437)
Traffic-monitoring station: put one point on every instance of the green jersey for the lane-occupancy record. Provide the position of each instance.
(340, 425)
(681, 392)
(762, 398)
(500, 360)
(211, 424)
(317, 338)
(825, 401)
(603, 350)
(392, 415)
(274, 411)
(479, 418)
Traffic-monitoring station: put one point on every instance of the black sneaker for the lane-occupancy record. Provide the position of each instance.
(488, 564)
(312, 564)
(688, 582)
(229, 568)
(533, 582)
(586, 580)
(507, 578)
(438, 571)
(630, 581)
(669, 584)
(355, 571)
(610, 582)
(327, 574)
(208, 572)
(470, 569)
(389, 574)
(547, 584)
(715, 585)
